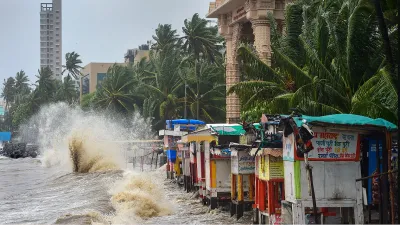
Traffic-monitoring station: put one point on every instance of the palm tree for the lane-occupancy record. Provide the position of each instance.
(21, 86)
(211, 90)
(384, 32)
(8, 91)
(67, 91)
(116, 93)
(165, 38)
(162, 83)
(72, 64)
(331, 48)
(45, 85)
(199, 41)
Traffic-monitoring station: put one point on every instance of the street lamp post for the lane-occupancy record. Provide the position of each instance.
(185, 112)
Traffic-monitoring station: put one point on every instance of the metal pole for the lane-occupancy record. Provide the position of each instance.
(311, 187)
(156, 160)
(185, 112)
(398, 113)
(384, 182)
(379, 182)
(152, 157)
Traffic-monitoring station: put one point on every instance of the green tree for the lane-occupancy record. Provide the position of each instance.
(87, 100)
(8, 91)
(67, 91)
(161, 84)
(72, 64)
(199, 40)
(21, 86)
(312, 69)
(45, 85)
(211, 89)
(116, 93)
(165, 38)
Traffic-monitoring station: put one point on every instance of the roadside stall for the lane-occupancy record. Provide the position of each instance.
(197, 143)
(242, 179)
(269, 181)
(175, 129)
(210, 158)
(218, 163)
(335, 166)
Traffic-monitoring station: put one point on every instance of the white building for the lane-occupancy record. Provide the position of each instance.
(51, 37)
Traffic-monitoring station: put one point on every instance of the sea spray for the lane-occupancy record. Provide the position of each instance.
(82, 141)
(139, 196)
(87, 142)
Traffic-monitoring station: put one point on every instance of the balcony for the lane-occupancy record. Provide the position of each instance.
(223, 6)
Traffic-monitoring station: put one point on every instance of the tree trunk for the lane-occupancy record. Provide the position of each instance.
(384, 32)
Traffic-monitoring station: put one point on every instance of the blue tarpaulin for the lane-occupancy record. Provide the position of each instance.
(183, 122)
(5, 136)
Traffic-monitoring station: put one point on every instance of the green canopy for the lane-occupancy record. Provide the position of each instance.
(347, 119)
(227, 129)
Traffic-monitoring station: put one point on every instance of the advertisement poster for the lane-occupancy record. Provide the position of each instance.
(288, 148)
(243, 163)
(334, 146)
(270, 167)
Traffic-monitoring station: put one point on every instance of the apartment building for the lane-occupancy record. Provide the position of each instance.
(51, 37)
(93, 75)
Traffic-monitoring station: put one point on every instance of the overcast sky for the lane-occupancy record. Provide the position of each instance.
(99, 30)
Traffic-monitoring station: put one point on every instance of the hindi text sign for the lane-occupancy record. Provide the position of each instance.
(334, 146)
(243, 163)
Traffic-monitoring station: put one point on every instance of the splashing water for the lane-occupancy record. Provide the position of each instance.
(82, 141)
(138, 196)
(85, 142)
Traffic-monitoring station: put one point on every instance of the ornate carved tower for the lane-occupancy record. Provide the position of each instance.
(232, 16)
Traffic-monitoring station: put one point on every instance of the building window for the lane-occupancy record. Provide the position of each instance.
(57, 63)
(100, 79)
(57, 35)
(85, 84)
(57, 11)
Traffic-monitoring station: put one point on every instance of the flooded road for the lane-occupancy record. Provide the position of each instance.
(34, 194)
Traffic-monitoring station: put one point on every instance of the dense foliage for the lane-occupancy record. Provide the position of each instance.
(154, 87)
(24, 99)
(332, 58)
